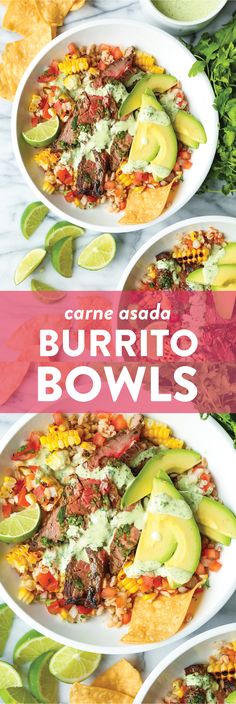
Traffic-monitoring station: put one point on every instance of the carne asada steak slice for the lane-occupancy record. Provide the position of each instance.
(124, 541)
(53, 530)
(86, 496)
(117, 69)
(68, 134)
(83, 581)
(139, 454)
(195, 695)
(119, 149)
(91, 174)
(115, 447)
(92, 108)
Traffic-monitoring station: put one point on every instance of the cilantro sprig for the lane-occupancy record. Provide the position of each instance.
(216, 55)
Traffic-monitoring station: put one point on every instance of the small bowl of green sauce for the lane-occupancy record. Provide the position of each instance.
(181, 16)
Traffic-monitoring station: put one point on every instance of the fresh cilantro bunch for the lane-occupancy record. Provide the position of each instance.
(216, 55)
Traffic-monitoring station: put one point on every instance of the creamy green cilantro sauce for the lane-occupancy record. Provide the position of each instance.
(163, 503)
(157, 117)
(169, 105)
(101, 139)
(186, 10)
(171, 266)
(153, 568)
(119, 473)
(190, 489)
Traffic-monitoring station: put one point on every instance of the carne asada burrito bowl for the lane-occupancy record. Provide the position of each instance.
(200, 671)
(107, 518)
(108, 127)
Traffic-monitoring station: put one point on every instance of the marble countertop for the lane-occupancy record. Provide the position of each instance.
(15, 195)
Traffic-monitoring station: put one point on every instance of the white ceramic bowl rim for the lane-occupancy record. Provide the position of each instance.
(215, 607)
(186, 23)
(221, 220)
(196, 182)
(175, 654)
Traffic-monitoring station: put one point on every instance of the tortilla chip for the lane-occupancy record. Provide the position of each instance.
(145, 204)
(21, 16)
(78, 4)
(83, 694)
(54, 11)
(121, 677)
(17, 56)
(152, 622)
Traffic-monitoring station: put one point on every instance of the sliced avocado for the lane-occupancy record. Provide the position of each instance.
(196, 277)
(145, 144)
(170, 515)
(217, 516)
(229, 256)
(143, 455)
(231, 699)
(225, 279)
(188, 141)
(214, 535)
(177, 461)
(189, 126)
(154, 140)
(158, 82)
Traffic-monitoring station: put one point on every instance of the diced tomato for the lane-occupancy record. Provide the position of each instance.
(91, 199)
(34, 440)
(126, 617)
(139, 177)
(18, 486)
(84, 610)
(215, 566)
(105, 47)
(58, 418)
(122, 205)
(6, 510)
(98, 439)
(116, 52)
(147, 583)
(34, 120)
(119, 422)
(38, 491)
(109, 592)
(69, 197)
(65, 177)
(45, 77)
(58, 106)
(22, 501)
(101, 65)
(54, 607)
(157, 581)
(24, 453)
(200, 569)
(54, 68)
(165, 583)
(46, 114)
(47, 581)
(211, 553)
(187, 164)
(63, 604)
(184, 154)
(109, 185)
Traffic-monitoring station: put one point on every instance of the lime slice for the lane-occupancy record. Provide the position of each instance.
(71, 665)
(98, 253)
(60, 230)
(31, 645)
(17, 695)
(20, 526)
(46, 293)
(28, 264)
(43, 134)
(9, 677)
(6, 621)
(31, 218)
(62, 256)
(41, 683)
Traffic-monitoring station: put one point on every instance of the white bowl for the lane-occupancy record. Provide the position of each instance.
(196, 650)
(174, 57)
(165, 239)
(177, 26)
(205, 436)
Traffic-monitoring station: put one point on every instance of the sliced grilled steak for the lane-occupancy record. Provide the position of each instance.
(83, 581)
(119, 149)
(53, 530)
(198, 669)
(139, 454)
(68, 134)
(124, 541)
(91, 174)
(117, 69)
(194, 695)
(136, 421)
(115, 447)
(92, 108)
(85, 496)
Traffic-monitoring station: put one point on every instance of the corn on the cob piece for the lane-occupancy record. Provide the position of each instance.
(125, 179)
(48, 187)
(191, 256)
(223, 670)
(34, 103)
(72, 64)
(178, 688)
(25, 595)
(59, 439)
(173, 443)
(46, 158)
(7, 486)
(21, 558)
(157, 69)
(160, 434)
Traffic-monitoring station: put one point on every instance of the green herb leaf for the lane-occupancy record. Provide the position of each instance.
(197, 67)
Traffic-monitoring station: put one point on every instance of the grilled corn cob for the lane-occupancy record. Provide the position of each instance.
(21, 558)
(46, 158)
(60, 439)
(191, 256)
(72, 64)
(25, 595)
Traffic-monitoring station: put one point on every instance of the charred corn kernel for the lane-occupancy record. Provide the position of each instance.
(34, 103)
(88, 446)
(173, 443)
(93, 71)
(178, 688)
(191, 256)
(21, 558)
(46, 158)
(7, 486)
(125, 179)
(151, 271)
(73, 64)
(157, 69)
(223, 670)
(149, 597)
(156, 431)
(48, 187)
(60, 439)
(25, 595)
(144, 60)
(64, 614)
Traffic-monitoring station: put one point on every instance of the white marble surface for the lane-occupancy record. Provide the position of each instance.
(15, 194)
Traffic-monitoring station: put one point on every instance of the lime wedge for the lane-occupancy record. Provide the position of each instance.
(31, 218)
(62, 256)
(9, 677)
(60, 230)
(6, 621)
(98, 253)
(46, 293)
(21, 525)
(31, 645)
(43, 134)
(28, 264)
(17, 695)
(41, 683)
(71, 665)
